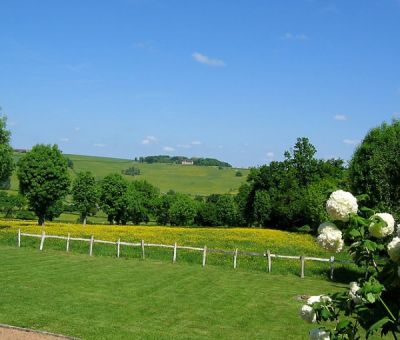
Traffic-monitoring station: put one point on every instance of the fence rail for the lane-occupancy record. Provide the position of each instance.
(235, 253)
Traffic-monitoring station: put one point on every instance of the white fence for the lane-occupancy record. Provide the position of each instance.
(234, 253)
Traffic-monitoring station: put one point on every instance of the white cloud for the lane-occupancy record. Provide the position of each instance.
(144, 45)
(340, 117)
(149, 140)
(196, 142)
(77, 128)
(293, 36)
(270, 154)
(99, 145)
(168, 148)
(77, 67)
(350, 141)
(203, 59)
(65, 139)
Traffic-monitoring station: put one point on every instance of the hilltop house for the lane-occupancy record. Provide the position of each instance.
(187, 162)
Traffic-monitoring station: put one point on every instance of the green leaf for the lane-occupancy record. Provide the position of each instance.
(379, 324)
(371, 298)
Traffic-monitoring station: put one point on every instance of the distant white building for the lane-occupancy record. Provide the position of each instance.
(187, 162)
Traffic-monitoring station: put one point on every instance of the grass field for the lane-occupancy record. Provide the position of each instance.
(194, 180)
(245, 239)
(108, 298)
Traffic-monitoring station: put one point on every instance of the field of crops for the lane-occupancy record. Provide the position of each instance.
(194, 180)
(245, 239)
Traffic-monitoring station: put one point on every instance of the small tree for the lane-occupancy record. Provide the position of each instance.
(85, 194)
(182, 211)
(262, 208)
(43, 178)
(6, 157)
(113, 198)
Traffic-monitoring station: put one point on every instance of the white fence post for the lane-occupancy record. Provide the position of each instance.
(42, 240)
(91, 246)
(331, 261)
(142, 244)
(68, 237)
(118, 247)
(174, 255)
(204, 255)
(235, 258)
(302, 266)
(19, 238)
(269, 260)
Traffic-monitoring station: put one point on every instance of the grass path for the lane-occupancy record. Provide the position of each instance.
(108, 298)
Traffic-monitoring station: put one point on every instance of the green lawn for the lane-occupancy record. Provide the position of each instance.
(109, 298)
(194, 180)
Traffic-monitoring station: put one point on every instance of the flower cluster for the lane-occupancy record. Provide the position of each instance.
(354, 288)
(393, 249)
(377, 230)
(340, 205)
(319, 334)
(330, 237)
(307, 312)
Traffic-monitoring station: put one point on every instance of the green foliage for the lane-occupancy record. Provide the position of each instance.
(182, 210)
(238, 174)
(85, 194)
(10, 205)
(262, 208)
(226, 210)
(131, 171)
(375, 167)
(179, 159)
(6, 153)
(43, 179)
(113, 199)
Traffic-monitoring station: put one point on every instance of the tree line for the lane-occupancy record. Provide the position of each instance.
(288, 194)
(179, 159)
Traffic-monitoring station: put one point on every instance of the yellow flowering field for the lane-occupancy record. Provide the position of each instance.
(251, 239)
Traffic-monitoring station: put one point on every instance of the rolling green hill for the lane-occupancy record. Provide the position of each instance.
(194, 180)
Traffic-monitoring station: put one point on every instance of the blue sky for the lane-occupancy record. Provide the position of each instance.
(238, 80)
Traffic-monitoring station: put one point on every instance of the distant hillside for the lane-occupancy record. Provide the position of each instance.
(165, 159)
(195, 180)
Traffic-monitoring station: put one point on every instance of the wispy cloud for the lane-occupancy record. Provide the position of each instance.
(99, 145)
(77, 128)
(196, 142)
(396, 115)
(351, 141)
(294, 36)
(340, 117)
(77, 67)
(270, 154)
(65, 139)
(203, 59)
(168, 149)
(183, 146)
(149, 140)
(144, 45)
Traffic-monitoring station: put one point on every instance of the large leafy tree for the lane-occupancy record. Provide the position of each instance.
(375, 167)
(43, 179)
(182, 211)
(6, 159)
(85, 194)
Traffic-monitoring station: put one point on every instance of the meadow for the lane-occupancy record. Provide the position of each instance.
(193, 180)
(108, 298)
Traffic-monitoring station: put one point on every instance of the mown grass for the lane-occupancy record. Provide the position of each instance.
(194, 180)
(108, 298)
(243, 239)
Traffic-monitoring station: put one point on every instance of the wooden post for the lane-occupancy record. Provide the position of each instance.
(235, 258)
(331, 261)
(302, 266)
(269, 265)
(174, 255)
(91, 246)
(19, 237)
(42, 240)
(142, 244)
(68, 237)
(118, 247)
(204, 255)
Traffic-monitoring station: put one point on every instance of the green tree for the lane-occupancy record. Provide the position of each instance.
(11, 204)
(182, 211)
(262, 208)
(85, 194)
(375, 167)
(113, 198)
(226, 210)
(6, 156)
(162, 205)
(43, 178)
(137, 202)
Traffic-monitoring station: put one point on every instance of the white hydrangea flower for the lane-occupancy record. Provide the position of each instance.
(319, 334)
(331, 239)
(340, 205)
(354, 288)
(318, 298)
(393, 249)
(326, 227)
(307, 314)
(381, 232)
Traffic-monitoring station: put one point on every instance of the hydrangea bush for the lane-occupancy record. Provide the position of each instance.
(372, 303)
